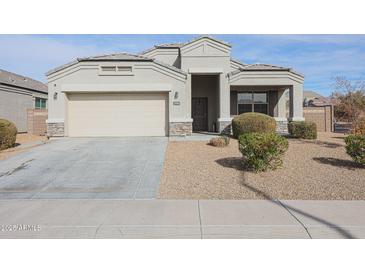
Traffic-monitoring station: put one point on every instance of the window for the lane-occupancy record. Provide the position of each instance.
(108, 68)
(127, 69)
(115, 70)
(252, 102)
(40, 103)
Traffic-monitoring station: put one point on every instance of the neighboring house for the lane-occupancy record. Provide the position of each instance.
(17, 94)
(318, 109)
(170, 89)
(310, 95)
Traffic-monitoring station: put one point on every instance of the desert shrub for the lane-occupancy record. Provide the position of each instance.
(220, 141)
(252, 122)
(262, 151)
(303, 129)
(359, 127)
(8, 133)
(355, 147)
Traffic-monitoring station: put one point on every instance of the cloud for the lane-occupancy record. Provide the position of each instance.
(318, 57)
(33, 56)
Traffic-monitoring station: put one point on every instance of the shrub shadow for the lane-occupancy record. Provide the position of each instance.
(231, 162)
(291, 210)
(348, 164)
(321, 143)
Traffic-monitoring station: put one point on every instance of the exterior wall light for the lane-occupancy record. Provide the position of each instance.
(55, 96)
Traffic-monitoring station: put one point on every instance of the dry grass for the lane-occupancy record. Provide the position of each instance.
(21, 139)
(312, 170)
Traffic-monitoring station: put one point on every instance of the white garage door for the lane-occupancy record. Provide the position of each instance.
(92, 115)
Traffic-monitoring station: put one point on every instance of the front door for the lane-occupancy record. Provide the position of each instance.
(200, 114)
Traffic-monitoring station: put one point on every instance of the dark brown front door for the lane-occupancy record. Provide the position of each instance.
(199, 114)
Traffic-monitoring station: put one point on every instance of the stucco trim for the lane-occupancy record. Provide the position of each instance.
(163, 70)
(206, 70)
(242, 71)
(146, 87)
(262, 75)
(206, 38)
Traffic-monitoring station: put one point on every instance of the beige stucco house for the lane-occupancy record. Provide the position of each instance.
(170, 89)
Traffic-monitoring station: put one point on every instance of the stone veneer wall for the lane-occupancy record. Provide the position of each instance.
(225, 127)
(55, 129)
(180, 128)
(282, 126)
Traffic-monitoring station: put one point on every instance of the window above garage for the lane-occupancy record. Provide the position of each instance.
(115, 70)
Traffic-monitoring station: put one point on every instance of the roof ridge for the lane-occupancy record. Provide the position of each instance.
(14, 79)
(208, 37)
(22, 76)
(182, 44)
(113, 54)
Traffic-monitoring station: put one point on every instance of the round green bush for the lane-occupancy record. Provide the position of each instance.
(262, 151)
(252, 122)
(303, 130)
(355, 147)
(8, 133)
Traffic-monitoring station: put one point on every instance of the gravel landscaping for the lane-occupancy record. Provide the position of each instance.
(312, 170)
(24, 141)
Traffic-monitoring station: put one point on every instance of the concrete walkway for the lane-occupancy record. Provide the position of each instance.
(196, 136)
(181, 219)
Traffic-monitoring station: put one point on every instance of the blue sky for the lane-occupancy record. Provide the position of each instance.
(318, 57)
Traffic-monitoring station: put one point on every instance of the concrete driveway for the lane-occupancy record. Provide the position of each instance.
(99, 168)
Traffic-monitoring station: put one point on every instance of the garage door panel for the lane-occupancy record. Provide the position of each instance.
(117, 115)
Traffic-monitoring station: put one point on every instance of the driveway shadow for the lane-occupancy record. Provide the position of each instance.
(231, 162)
(342, 163)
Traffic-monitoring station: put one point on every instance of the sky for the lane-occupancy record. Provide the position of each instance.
(319, 57)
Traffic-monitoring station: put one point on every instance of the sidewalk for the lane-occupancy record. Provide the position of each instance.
(181, 219)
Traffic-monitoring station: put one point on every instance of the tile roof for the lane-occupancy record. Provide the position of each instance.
(181, 44)
(263, 67)
(13, 79)
(122, 56)
(238, 62)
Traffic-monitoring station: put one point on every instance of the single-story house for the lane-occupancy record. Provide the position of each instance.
(170, 89)
(18, 94)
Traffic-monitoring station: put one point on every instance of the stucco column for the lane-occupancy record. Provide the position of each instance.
(281, 118)
(296, 102)
(188, 96)
(224, 119)
(281, 104)
(224, 97)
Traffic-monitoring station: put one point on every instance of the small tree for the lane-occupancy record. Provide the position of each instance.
(351, 98)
